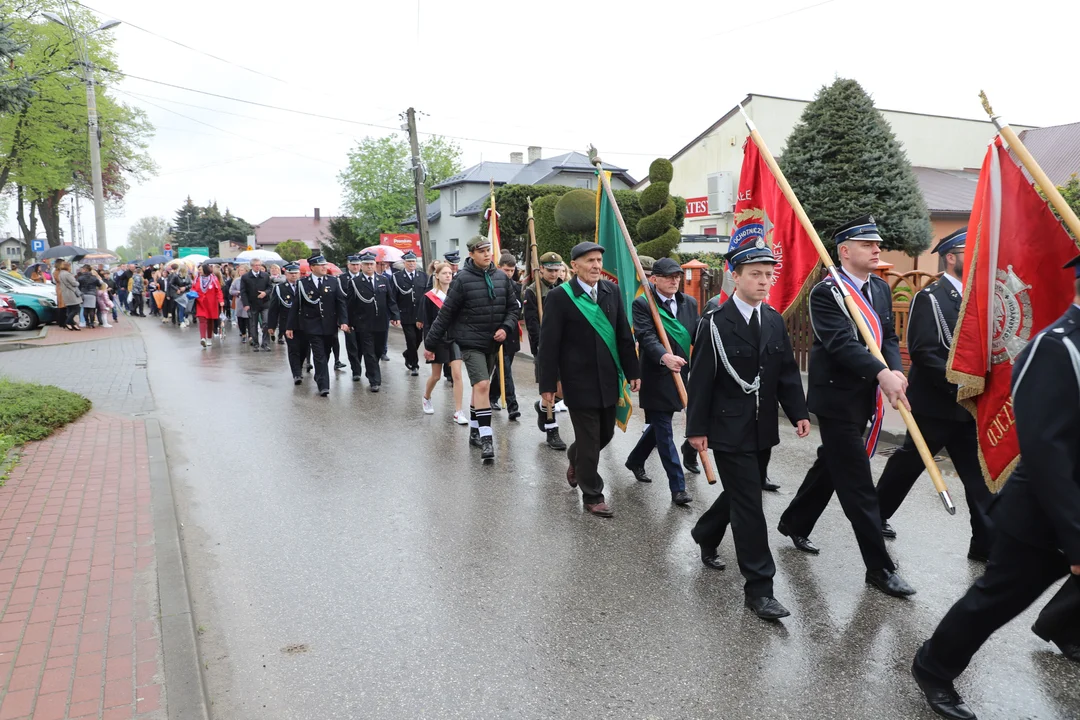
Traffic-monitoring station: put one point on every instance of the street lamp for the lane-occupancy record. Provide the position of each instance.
(91, 111)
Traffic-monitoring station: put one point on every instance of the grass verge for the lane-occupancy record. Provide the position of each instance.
(31, 412)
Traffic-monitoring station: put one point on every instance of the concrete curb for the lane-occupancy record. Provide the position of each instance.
(185, 685)
(21, 342)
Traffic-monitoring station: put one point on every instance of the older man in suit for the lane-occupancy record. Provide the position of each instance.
(659, 397)
(585, 341)
(744, 367)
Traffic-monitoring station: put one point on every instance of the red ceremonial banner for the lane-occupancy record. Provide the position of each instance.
(762, 213)
(1013, 288)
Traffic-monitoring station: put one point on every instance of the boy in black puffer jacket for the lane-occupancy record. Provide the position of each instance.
(480, 311)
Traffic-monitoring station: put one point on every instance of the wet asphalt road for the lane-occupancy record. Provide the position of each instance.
(351, 558)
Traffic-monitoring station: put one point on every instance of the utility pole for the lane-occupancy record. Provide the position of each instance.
(95, 158)
(421, 197)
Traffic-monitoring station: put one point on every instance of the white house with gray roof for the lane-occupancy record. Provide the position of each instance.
(456, 215)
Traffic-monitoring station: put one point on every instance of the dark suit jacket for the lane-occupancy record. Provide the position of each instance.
(843, 373)
(282, 297)
(317, 311)
(928, 390)
(531, 313)
(658, 391)
(1040, 503)
(251, 286)
(572, 351)
(408, 293)
(719, 409)
(369, 310)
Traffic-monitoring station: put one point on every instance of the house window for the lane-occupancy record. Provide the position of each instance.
(709, 230)
(453, 243)
(454, 200)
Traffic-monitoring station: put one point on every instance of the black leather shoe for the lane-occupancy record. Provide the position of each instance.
(414, 372)
(681, 498)
(978, 554)
(474, 437)
(710, 559)
(639, 473)
(889, 583)
(767, 608)
(1068, 649)
(887, 529)
(339, 366)
(356, 378)
(374, 388)
(554, 441)
(691, 464)
(769, 486)
(297, 380)
(513, 415)
(800, 541)
(495, 406)
(943, 698)
(487, 448)
(324, 393)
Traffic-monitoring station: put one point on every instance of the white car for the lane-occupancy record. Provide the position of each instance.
(10, 283)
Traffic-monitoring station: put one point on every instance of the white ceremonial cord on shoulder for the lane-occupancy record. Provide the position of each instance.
(1074, 355)
(944, 334)
(721, 354)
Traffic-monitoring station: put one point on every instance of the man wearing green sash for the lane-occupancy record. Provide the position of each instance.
(659, 397)
(585, 341)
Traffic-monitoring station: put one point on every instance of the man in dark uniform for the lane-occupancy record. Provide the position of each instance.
(690, 459)
(345, 281)
(408, 287)
(585, 341)
(848, 387)
(510, 346)
(743, 367)
(371, 308)
(316, 316)
(659, 397)
(282, 298)
(1036, 518)
(550, 265)
(943, 422)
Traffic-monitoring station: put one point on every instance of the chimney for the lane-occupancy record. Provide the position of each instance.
(316, 214)
(517, 158)
(534, 153)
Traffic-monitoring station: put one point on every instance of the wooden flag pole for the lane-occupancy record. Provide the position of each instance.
(495, 252)
(1041, 179)
(853, 310)
(536, 282)
(661, 333)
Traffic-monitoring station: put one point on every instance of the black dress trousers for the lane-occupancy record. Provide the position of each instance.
(593, 430)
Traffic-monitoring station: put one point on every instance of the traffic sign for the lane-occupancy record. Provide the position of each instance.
(168, 248)
(185, 251)
(37, 245)
(167, 253)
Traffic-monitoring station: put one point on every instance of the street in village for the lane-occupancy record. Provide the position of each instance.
(350, 557)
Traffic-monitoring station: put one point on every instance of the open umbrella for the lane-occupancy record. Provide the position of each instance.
(385, 253)
(100, 256)
(63, 251)
(195, 258)
(263, 255)
(155, 260)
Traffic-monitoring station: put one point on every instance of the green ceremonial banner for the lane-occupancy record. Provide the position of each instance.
(618, 265)
(619, 269)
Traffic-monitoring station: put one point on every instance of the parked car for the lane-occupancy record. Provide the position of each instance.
(9, 316)
(9, 284)
(33, 309)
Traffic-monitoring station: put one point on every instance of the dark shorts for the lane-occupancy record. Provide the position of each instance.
(446, 353)
(478, 364)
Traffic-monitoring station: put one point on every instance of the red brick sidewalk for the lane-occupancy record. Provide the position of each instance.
(79, 636)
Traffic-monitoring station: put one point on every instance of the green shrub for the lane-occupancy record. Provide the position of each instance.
(576, 212)
(661, 170)
(33, 412)
(653, 197)
(661, 246)
(549, 238)
(713, 260)
(653, 226)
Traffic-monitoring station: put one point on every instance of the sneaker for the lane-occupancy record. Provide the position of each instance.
(429, 409)
(106, 325)
(461, 418)
(560, 406)
(203, 342)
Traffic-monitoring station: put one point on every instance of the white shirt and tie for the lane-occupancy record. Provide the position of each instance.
(746, 309)
(670, 303)
(590, 290)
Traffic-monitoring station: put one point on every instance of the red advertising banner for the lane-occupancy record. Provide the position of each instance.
(402, 241)
(697, 207)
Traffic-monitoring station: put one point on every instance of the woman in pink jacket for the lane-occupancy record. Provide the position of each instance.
(208, 304)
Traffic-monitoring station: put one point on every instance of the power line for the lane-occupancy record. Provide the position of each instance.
(180, 44)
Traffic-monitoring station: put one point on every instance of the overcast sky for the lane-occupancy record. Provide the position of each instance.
(559, 74)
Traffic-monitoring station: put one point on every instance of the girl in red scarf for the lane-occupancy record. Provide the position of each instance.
(209, 303)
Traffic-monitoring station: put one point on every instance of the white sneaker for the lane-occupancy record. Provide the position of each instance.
(106, 325)
(429, 409)
(560, 406)
(461, 418)
(204, 342)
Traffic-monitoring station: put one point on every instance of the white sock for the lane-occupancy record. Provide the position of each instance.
(486, 431)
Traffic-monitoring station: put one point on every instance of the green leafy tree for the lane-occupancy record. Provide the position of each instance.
(44, 145)
(292, 250)
(843, 161)
(146, 233)
(1071, 192)
(186, 222)
(343, 241)
(378, 187)
(196, 226)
